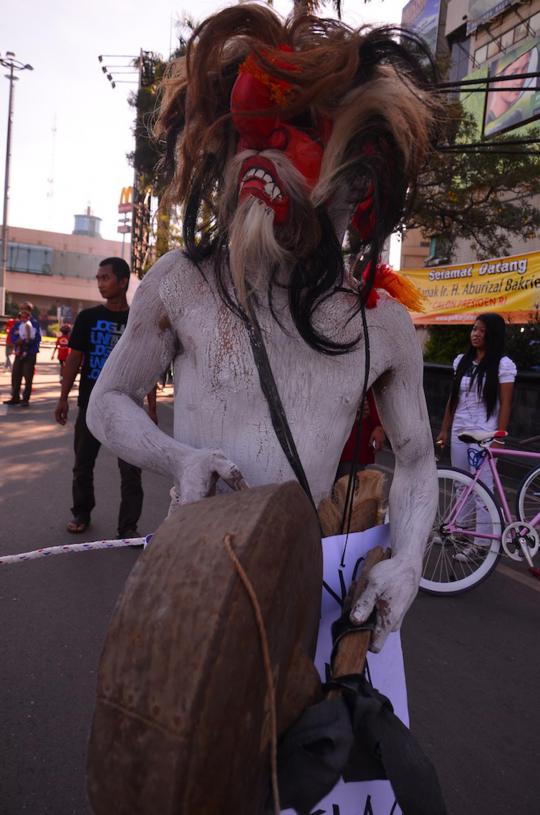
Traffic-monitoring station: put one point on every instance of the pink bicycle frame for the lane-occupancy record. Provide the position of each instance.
(491, 453)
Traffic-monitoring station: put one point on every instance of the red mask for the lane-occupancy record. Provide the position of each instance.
(255, 93)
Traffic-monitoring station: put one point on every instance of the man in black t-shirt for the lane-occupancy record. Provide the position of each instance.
(95, 333)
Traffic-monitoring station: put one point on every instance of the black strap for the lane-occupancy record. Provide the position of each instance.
(277, 411)
(348, 506)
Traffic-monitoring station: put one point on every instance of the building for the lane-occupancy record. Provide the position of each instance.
(481, 39)
(57, 271)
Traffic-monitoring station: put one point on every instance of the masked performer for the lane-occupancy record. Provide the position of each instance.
(280, 136)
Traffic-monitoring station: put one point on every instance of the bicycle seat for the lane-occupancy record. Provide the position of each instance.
(481, 436)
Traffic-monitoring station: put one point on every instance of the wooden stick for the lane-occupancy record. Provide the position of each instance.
(352, 648)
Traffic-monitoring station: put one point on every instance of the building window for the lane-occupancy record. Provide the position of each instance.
(459, 58)
(493, 48)
(31, 259)
(481, 54)
(507, 39)
(520, 32)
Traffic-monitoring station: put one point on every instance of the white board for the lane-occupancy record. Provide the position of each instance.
(386, 670)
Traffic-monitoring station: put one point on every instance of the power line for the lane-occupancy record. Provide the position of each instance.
(487, 80)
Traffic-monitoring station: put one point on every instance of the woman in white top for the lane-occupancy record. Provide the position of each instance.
(481, 395)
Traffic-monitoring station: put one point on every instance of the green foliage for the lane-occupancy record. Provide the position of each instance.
(523, 343)
(445, 342)
(484, 197)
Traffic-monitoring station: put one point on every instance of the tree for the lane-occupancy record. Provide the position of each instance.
(312, 6)
(483, 193)
(151, 228)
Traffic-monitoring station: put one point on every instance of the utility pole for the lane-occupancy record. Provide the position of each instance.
(12, 65)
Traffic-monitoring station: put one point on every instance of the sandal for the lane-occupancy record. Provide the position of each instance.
(77, 526)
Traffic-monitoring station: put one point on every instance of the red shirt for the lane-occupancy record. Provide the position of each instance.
(62, 346)
(366, 453)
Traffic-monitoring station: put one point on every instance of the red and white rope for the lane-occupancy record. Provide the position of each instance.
(72, 548)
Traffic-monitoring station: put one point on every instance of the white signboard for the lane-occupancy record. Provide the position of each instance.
(342, 556)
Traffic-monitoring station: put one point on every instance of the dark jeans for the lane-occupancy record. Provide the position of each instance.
(86, 449)
(22, 367)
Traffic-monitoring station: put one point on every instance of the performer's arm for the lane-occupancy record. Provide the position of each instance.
(115, 412)
(400, 399)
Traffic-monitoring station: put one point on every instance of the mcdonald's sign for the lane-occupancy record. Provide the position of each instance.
(126, 200)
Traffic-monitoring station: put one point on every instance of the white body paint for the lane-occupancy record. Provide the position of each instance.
(222, 419)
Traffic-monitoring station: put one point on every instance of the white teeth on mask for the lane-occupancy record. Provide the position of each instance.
(255, 173)
(270, 187)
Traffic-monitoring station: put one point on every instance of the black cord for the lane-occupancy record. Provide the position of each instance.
(279, 417)
(277, 411)
(348, 507)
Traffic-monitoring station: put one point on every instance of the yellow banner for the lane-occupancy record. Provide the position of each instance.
(457, 294)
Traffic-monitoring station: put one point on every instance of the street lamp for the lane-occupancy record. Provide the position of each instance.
(12, 64)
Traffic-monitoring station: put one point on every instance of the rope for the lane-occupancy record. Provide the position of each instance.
(227, 542)
(72, 548)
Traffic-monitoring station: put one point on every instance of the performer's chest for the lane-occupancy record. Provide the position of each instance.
(217, 360)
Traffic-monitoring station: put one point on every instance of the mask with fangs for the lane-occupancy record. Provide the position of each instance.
(254, 98)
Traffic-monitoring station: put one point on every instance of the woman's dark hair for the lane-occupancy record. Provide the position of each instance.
(486, 372)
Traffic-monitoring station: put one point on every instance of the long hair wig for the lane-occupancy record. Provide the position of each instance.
(372, 84)
(486, 373)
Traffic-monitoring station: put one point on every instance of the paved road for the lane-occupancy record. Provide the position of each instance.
(472, 661)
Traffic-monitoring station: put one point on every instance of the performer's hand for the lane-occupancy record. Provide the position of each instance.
(200, 472)
(392, 586)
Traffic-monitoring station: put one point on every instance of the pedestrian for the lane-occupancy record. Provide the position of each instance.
(25, 337)
(9, 345)
(480, 398)
(95, 333)
(61, 346)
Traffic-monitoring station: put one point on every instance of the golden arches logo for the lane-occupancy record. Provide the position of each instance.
(126, 200)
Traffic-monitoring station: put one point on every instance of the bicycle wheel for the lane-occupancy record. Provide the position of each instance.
(455, 559)
(528, 498)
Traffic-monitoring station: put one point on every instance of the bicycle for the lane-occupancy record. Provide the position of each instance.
(471, 527)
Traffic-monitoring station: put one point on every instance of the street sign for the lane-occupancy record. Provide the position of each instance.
(123, 229)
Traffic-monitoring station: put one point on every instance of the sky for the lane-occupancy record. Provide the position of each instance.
(71, 130)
